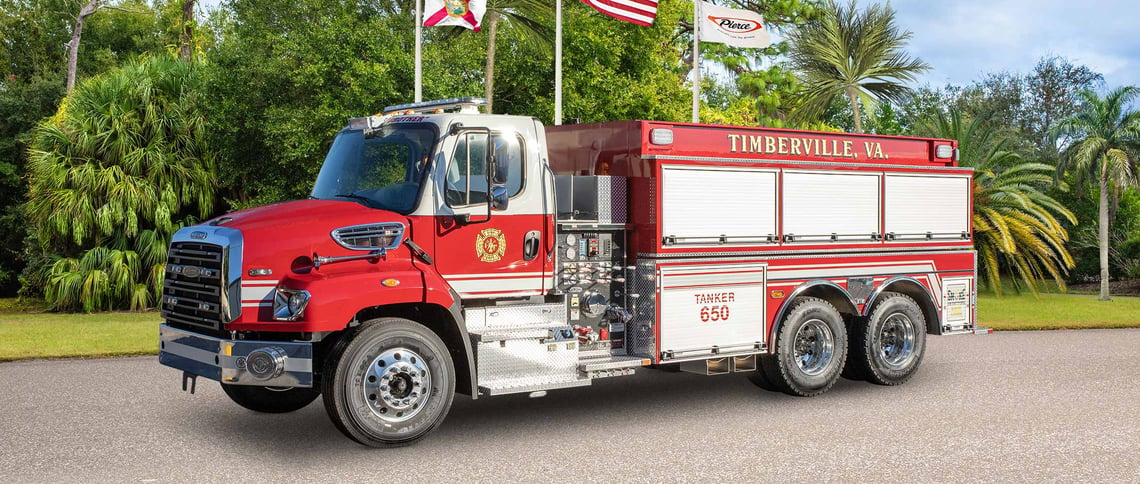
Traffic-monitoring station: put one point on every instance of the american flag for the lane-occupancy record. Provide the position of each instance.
(640, 12)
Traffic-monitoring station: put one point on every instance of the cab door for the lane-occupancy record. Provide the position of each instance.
(485, 253)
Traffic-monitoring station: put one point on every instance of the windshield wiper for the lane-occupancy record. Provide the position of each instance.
(367, 201)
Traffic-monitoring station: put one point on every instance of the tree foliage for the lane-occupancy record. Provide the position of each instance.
(1017, 225)
(528, 17)
(761, 90)
(285, 76)
(120, 167)
(33, 58)
(1102, 143)
(855, 53)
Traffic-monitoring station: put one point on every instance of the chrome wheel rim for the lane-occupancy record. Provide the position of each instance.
(814, 347)
(397, 384)
(896, 341)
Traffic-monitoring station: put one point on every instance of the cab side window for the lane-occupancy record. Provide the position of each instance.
(466, 172)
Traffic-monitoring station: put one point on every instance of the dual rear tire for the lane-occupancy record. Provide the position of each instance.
(811, 347)
(887, 347)
(815, 345)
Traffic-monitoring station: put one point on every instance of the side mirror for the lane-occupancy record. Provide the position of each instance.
(498, 172)
(499, 198)
(498, 164)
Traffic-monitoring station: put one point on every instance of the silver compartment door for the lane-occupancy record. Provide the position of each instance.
(917, 205)
(821, 206)
(716, 206)
(707, 306)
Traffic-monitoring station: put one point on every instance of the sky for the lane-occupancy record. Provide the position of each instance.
(963, 40)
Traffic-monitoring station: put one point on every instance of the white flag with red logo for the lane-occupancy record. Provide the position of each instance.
(463, 13)
(640, 12)
(738, 28)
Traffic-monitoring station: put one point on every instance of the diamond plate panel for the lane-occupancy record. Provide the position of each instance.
(515, 316)
(526, 363)
(640, 332)
(613, 199)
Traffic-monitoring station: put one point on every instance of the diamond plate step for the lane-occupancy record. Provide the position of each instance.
(493, 389)
(543, 331)
(611, 363)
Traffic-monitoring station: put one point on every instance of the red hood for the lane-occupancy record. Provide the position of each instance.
(276, 234)
(303, 214)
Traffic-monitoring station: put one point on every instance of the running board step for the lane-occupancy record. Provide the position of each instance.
(612, 363)
(492, 390)
(543, 332)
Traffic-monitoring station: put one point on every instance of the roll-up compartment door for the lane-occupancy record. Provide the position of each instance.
(710, 205)
(830, 206)
(927, 207)
(711, 306)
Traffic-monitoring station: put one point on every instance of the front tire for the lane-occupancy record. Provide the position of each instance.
(889, 347)
(810, 350)
(271, 399)
(388, 383)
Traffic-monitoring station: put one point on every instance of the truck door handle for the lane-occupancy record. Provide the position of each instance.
(531, 244)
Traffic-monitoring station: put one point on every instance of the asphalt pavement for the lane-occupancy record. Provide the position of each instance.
(1008, 407)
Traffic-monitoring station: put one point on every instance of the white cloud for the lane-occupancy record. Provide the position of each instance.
(966, 39)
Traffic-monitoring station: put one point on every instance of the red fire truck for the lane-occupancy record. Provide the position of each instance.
(444, 250)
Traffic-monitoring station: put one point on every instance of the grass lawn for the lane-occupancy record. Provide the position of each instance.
(52, 335)
(1056, 311)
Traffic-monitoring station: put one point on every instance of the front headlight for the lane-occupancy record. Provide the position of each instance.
(289, 304)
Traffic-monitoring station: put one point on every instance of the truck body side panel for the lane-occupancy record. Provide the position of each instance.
(855, 213)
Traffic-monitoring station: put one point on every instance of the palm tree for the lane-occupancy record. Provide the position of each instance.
(120, 167)
(1102, 140)
(855, 53)
(525, 15)
(1016, 224)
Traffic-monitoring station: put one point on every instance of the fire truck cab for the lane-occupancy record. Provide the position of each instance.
(443, 250)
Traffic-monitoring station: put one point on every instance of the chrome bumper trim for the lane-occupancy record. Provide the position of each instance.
(224, 359)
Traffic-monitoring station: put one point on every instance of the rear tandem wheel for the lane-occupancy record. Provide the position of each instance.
(888, 346)
(811, 348)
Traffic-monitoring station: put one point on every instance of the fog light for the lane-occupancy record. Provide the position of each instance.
(265, 363)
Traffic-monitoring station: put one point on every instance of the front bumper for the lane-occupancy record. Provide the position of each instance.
(224, 359)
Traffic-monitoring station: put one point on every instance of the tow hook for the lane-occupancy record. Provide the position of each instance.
(191, 379)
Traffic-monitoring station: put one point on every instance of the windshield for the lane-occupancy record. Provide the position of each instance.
(384, 170)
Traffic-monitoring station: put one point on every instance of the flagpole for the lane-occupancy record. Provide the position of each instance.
(696, 61)
(557, 62)
(419, 54)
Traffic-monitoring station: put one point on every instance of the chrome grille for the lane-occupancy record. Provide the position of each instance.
(193, 294)
(376, 236)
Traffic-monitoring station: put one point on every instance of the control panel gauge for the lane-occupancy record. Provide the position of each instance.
(571, 239)
(571, 253)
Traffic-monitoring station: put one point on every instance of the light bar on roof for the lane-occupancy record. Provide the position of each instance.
(463, 104)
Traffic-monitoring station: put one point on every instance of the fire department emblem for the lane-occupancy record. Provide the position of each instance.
(490, 245)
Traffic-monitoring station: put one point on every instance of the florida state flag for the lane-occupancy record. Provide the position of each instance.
(464, 13)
